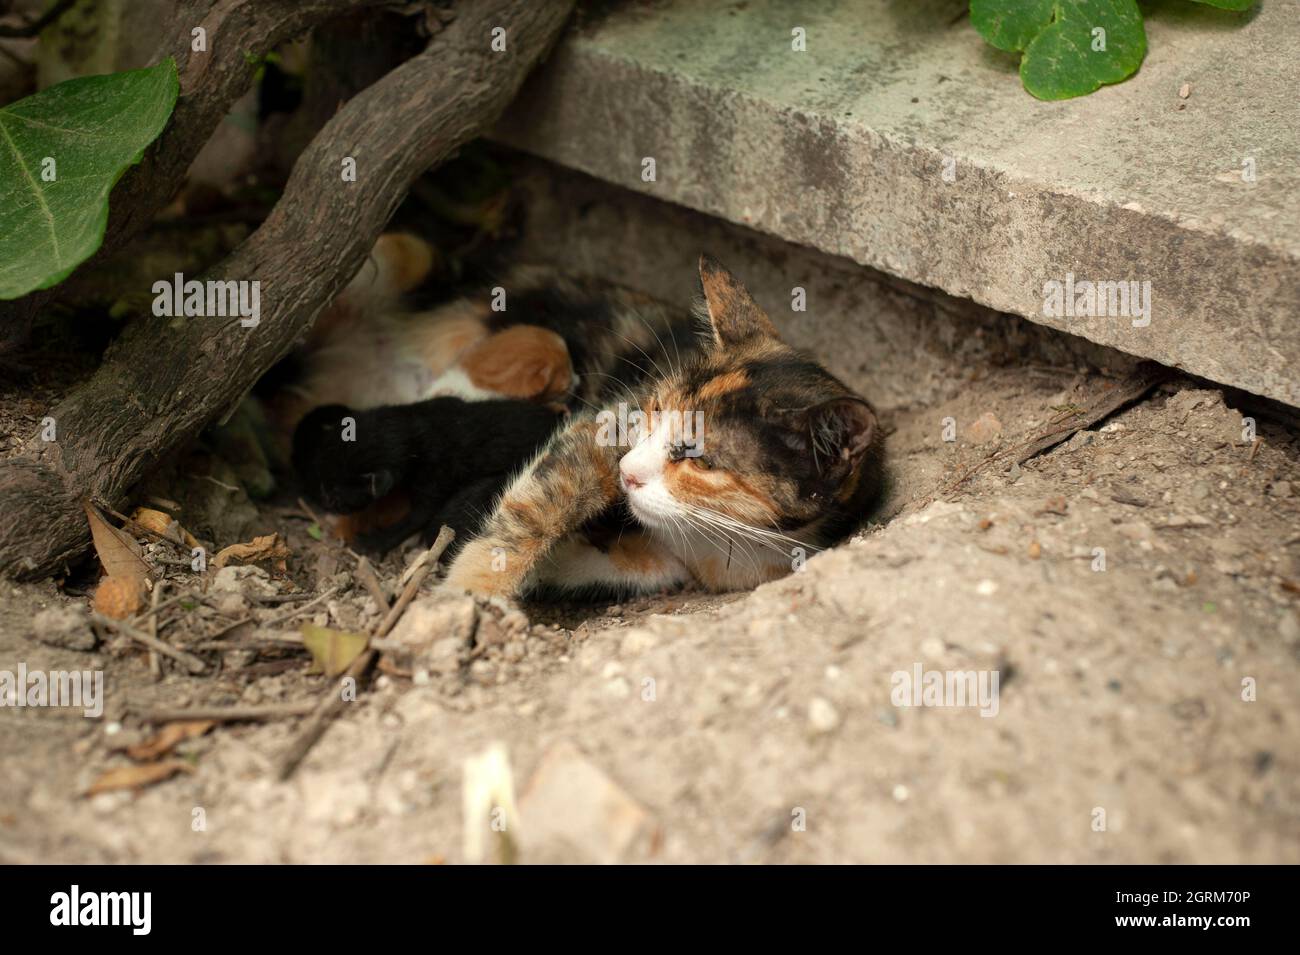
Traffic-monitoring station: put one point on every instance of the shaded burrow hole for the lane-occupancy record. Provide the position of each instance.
(954, 382)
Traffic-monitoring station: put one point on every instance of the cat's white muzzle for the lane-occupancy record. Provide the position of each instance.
(641, 474)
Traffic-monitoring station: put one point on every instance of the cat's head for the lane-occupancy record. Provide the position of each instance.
(341, 469)
(751, 431)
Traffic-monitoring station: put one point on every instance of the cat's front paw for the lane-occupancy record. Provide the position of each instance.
(481, 570)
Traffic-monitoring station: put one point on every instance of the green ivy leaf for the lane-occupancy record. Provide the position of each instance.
(61, 152)
(1009, 25)
(1071, 47)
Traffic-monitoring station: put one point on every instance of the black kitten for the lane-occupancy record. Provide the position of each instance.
(453, 458)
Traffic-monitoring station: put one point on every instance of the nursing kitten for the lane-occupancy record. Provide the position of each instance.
(753, 456)
(532, 333)
(370, 349)
(450, 457)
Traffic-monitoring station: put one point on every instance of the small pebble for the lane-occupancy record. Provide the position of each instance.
(822, 715)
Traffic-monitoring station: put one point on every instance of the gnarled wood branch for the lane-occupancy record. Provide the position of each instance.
(165, 379)
(237, 34)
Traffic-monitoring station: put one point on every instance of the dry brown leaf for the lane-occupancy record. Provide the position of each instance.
(164, 525)
(119, 597)
(156, 521)
(166, 739)
(266, 547)
(137, 777)
(117, 550)
(333, 650)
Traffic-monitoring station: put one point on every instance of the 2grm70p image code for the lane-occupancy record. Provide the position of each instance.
(1185, 916)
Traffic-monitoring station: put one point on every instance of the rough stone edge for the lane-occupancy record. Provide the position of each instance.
(1008, 236)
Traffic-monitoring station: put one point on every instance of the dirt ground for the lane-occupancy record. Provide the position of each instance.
(1136, 591)
(762, 727)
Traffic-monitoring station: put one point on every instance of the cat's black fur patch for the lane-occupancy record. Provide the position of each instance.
(452, 457)
(587, 321)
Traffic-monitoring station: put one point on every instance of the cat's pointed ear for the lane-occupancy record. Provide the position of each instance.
(837, 433)
(733, 313)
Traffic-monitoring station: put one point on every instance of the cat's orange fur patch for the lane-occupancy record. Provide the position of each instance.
(441, 342)
(711, 572)
(523, 361)
(636, 554)
(603, 468)
(721, 385)
(718, 573)
(476, 571)
(534, 517)
(350, 350)
(723, 491)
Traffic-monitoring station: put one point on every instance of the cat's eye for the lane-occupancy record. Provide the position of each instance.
(704, 464)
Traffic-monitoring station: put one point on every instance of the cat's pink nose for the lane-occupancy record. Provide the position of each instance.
(630, 480)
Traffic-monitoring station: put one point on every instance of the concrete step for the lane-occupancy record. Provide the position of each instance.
(901, 141)
(904, 346)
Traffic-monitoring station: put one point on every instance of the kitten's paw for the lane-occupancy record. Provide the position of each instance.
(380, 542)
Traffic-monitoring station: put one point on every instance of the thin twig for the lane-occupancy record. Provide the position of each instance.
(332, 704)
(15, 58)
(228, 714)
(191, 662)
(298, 611)
(230, 626)
(281, 598)
(445, 537)
(167, 604)
(271, 667)
(323, 716)
(155, 663)
(221, 484)
(40, 23)
(315, 518)
(370, 580)
(286, 641)
(1143, 379)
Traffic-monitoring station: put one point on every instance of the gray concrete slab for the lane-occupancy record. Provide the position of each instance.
(900, 344)
(900, 140)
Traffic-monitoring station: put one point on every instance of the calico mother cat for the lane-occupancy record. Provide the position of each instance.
(786, 459)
